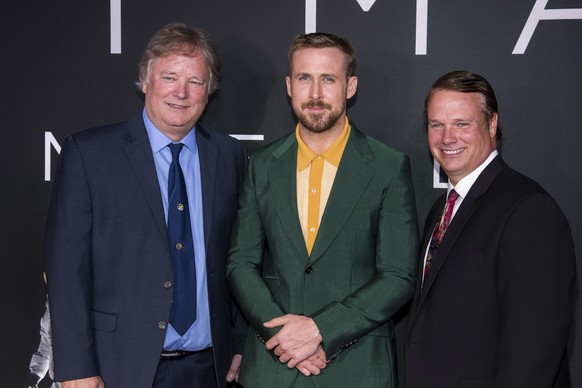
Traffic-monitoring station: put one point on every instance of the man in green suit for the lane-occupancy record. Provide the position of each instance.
(324, 245)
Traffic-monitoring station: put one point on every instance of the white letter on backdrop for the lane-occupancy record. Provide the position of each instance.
(115, 23)
(539, 12)
(49, 140)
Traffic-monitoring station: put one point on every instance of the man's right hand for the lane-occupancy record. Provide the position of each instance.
(314, 364)
(89, 382)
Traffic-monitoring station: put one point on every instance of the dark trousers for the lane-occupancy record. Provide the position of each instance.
(192, 371)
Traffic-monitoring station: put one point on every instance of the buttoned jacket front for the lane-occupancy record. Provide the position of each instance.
(359, 274)
(108, 263)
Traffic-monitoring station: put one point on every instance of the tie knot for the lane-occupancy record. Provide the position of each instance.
(453, 195)
(175, 148)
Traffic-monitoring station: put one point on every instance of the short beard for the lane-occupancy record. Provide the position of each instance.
(318, 123)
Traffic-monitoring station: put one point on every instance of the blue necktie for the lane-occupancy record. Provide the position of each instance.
(183, 311)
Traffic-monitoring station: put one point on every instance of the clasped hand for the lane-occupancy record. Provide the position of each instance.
(298, 343)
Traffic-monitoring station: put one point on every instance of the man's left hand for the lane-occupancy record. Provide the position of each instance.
(232, 374)
(297, 340)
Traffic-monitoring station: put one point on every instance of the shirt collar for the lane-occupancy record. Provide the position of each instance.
(333, 154)
(158, 140)
(464, 185)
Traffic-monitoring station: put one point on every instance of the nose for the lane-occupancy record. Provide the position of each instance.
(180, 90)
(315, 91)
(449, 134)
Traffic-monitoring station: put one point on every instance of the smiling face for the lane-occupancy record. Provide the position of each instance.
(319, 88)
(176, 93)
(458, 135)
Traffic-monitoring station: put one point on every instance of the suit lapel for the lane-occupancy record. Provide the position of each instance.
(350, 182)
(463, 215)
(427, 235)
(282, 178)
(139, 153)
(208, 156)
(455, 228)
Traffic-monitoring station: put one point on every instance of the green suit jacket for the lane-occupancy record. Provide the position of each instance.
(360, 273)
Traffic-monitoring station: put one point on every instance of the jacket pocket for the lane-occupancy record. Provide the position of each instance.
(272, 282)
(385, 330)
(103, 321)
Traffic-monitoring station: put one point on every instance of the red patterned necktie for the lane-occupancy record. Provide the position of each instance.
(440, 229)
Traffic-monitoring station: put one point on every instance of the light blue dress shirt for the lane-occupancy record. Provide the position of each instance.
(198, 335)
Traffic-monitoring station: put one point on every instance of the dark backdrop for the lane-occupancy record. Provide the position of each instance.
(59, 75)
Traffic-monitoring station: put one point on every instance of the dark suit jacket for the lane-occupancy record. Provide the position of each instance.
(108, 260)
(495, 309)
(361, 270)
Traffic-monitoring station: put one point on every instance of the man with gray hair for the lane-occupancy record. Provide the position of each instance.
(138, 231)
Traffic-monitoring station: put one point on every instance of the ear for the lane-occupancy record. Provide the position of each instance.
(288, 83)
(493, 126)
(143, 87)
(352, 86)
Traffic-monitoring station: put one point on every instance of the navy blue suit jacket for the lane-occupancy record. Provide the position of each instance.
(107, 256)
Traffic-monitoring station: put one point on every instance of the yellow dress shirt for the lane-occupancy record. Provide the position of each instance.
(315, 176)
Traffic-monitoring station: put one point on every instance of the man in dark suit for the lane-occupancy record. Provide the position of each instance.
(494, 299)
(110, 270)
(323, 248)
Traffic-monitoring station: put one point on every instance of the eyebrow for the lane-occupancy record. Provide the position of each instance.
(320, 76)
(203, 79)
